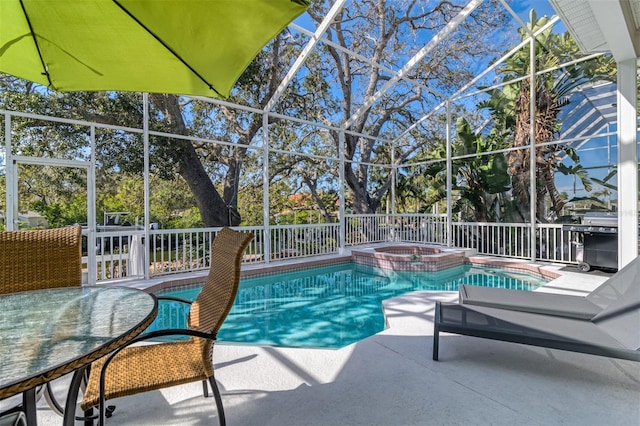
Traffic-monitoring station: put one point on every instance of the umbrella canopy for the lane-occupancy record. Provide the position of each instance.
(189, 47)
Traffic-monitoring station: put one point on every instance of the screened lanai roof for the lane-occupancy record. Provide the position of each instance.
(591, 109)
(597, 26)
(420, 78)
(406, 84)
(601, 26)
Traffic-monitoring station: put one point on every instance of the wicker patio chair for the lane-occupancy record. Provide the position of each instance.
(39, 259)
(135, 369)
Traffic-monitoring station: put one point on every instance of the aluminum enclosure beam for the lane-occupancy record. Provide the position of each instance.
(617, 27)
(359, 57)
(337, 6)
(627, 162)
(442, 34)
(458, 93)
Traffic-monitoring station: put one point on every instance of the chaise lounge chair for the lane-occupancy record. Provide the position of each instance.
(613, 332)
(581, 307)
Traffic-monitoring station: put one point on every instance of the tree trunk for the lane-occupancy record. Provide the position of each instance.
(213, 210)
(546, 117)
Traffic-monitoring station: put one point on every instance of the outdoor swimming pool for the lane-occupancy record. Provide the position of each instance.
(327, 307)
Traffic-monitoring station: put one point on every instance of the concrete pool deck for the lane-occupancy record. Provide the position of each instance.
(390, 379)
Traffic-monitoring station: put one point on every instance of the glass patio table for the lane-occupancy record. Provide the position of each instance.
(45, 334)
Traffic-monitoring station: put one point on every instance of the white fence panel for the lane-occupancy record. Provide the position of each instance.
(186, 250)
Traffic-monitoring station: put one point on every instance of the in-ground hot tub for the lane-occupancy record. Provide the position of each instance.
(409, 257)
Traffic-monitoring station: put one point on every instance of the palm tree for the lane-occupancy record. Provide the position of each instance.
(510, 108)
(478, 180)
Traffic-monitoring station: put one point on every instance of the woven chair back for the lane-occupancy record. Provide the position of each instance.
(39, 259)
(214, 302)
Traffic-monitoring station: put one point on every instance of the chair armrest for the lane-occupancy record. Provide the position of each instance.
(143, 337)
(174, 299)
(168, 332)
(152, 335)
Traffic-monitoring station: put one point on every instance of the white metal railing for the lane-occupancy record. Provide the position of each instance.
(114, 257)
(376, 228)
(187, 250)
(500, 239)
(293, 241)
(512, 240)
(557, 245)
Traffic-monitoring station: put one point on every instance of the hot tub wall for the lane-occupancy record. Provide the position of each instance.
(408, 262)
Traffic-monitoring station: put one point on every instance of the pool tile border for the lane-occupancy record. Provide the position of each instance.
(249, 272)
(508, 265)
(514, 266)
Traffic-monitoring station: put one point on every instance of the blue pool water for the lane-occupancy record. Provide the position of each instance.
(327, 307)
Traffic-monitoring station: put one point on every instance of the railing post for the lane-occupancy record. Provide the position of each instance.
(449, 173)
(341, 215)
(11, 185)
(533, 198)
(266, 226)
(92, 265)
(147, 192)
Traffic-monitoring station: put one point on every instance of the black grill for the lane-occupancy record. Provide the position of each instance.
(600, 239)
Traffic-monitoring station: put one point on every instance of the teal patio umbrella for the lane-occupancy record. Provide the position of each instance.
(187, 47)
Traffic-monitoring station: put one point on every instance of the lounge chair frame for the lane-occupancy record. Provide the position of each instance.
(604, 323)
(581, 307)
(534, 339)
(521, 327)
